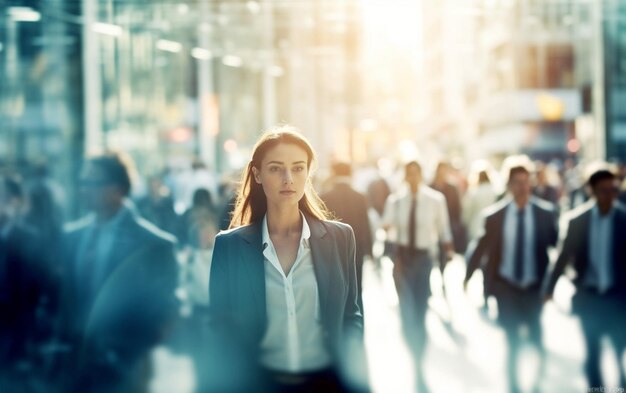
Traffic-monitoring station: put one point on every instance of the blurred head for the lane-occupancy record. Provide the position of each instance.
(40, 199)
(202, 197)
(279, 174)
(483, 177)
(105, 182)
(413, 174)
(541, 174)
(156, 187)
(604, 185)
(341, 169)
(479, 173)
(442, 171)
(519, 183)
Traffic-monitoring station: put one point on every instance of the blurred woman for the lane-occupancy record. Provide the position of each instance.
(197, 218)
(43, 213)
(481, 193)
(283, 289)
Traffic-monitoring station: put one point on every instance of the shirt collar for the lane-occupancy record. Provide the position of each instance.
(405, 190)
(595, 211)
(126, 208)
(304, 238)
(513, 206)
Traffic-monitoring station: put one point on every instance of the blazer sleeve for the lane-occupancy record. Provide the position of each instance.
(565, 256)
(219, 305)
(352, 354)
(353, 318)
(475, 257)
(554, 227)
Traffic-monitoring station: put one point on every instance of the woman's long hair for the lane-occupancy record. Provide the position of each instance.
(251, 204)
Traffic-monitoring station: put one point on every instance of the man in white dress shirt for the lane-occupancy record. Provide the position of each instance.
(416, 218)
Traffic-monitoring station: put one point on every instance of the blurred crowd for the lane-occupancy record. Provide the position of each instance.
(83, 302)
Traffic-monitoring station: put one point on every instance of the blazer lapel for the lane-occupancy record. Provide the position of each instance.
(252, 261)
(322, 255)
(540, 237)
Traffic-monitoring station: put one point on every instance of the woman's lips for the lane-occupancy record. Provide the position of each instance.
(287, 192)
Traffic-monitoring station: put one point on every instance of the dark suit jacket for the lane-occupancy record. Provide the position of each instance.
(350, 207)
(21, 286)
(576, 248)
(491, 243)
(136, 300)
(237, 289)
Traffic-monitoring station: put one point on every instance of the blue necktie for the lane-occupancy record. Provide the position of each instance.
(519, 247)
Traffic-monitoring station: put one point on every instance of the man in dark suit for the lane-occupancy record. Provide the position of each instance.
(121, 275)
(442, 184)
(350, 206)
(21, 283)
(518, 233)
(594, 246)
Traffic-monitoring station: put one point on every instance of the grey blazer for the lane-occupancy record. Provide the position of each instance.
(237, 288)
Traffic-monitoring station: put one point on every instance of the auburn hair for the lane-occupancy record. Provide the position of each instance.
(251, 203)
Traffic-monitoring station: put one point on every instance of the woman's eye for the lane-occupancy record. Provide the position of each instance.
(274, 169)
(298, 169)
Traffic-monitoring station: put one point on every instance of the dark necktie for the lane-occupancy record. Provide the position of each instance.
(519, 247)
(412, 223)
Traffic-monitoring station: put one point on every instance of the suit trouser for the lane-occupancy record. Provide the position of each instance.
(600, 315)
(411, 273)
(518, 307)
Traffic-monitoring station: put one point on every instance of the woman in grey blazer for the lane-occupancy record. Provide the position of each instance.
(283, 281)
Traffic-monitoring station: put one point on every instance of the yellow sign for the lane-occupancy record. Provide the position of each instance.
(550, 107)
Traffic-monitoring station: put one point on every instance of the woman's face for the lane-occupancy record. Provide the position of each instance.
(283, 174)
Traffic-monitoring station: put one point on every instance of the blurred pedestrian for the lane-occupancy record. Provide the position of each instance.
(20, 286)
(441, 183)
(44, 214)
(201, 214)
(480, 194)
(120, 279)
(543, 188)
(594, 247)
(228, 199)
(350, 207)
(198, 236)
(518, 233)
(377, 192)
(417, 220)
(283, 290)
(158, 207)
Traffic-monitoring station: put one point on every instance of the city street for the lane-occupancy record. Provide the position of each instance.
(466, 349)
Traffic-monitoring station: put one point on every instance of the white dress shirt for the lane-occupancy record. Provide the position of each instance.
(599, 273)
(474, 203)
(507, 268)
(294, 340)
(433, 223)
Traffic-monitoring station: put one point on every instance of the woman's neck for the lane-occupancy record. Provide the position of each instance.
(284, 222)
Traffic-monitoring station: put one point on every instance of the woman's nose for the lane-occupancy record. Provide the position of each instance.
(287, 177)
